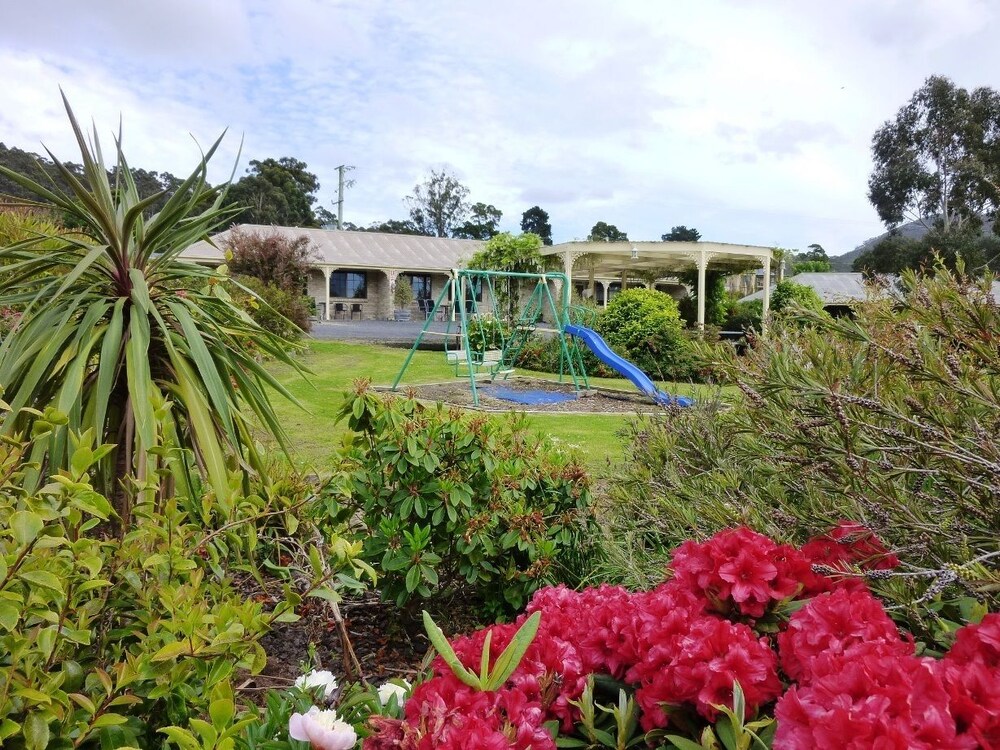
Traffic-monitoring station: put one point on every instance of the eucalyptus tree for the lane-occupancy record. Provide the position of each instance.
(126, 349)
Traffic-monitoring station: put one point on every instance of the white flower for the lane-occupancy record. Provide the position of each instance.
(389, 689)
(323, 730)
(318, 678)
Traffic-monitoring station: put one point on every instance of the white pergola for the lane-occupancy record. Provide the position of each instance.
(664, 260)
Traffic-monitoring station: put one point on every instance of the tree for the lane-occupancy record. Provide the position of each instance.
(279, 193)
(890, 256)
(603, 232)
(681, 234)
(137, 349)
(483, 223)
(505, 252)
(392, 226)
(815, 260)
(939, 159)
(438, 205)
(536, 221)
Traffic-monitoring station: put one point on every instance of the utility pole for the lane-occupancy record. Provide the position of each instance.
(341, 184)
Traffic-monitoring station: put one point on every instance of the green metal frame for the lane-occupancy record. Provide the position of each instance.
(570, 358)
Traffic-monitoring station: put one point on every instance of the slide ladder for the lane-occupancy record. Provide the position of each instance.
(641, 380)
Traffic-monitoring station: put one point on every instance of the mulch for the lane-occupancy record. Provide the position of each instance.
(388, 641)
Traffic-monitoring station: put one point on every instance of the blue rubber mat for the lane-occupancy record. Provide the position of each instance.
(532, 398)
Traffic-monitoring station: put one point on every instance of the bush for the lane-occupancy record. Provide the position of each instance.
(788, 294)
(694, 663)
(890, 419)
(744, 316)
(106, 640)
(457, 501)
(285, 314)
(487, 332)
(644, 327)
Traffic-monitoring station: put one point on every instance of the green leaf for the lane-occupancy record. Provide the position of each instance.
(36, 732)
(683, 743)
(441, 645)
(42, 578)
(182, 738)
(511, 657)
(222, 712)
(171, 651)
(26, 526)
(9, 615)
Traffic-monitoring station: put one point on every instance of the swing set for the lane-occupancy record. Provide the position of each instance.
(486, 348)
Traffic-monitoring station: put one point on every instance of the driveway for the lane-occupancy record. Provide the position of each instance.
(382, 332)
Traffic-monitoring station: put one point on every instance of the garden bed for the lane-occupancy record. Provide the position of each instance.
(595, 400)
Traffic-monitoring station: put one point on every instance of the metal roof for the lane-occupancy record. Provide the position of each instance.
(833, 288)
(344, 249)
(836, 288)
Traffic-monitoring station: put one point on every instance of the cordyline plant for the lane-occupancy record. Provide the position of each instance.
(125, 337)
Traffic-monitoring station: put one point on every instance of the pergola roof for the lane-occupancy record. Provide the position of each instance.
(669, 257)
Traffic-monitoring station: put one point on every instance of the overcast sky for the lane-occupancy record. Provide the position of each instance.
(751, 121)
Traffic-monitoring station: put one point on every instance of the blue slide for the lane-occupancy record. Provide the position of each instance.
(641, 380)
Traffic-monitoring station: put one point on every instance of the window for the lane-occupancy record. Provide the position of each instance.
(420, 284)
(349, 284)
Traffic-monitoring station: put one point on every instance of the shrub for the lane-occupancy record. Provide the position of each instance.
(889, 418)
(788, 294)
(744, 316)
(106, 640)
(402, 295)
(282, 313)
(487, 332)
(452, 500)
(270, 256)
(644, 327)
(693, 663)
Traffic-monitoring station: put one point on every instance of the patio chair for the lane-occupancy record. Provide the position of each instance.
(339, 307)
(356, 307)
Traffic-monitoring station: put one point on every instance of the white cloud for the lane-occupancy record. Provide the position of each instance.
(751, 121)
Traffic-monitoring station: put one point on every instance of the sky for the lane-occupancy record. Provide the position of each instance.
(750, 120)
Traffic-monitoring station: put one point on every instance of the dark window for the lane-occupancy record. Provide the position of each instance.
(420, 284)
(349, 284)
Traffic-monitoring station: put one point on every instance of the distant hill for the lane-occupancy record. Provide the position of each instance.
(915, 230)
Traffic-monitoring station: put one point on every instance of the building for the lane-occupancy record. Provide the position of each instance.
(354, 273)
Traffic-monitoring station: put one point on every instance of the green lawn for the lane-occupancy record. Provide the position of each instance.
(335, 365)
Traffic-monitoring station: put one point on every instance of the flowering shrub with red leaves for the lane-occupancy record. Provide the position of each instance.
(832, 668)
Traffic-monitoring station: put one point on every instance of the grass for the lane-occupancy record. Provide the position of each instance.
(315, 436)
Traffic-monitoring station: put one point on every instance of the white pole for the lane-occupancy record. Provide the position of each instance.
(702, 266)
(326, 278)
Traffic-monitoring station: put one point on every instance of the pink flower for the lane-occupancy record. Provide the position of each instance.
(829, 626)
(323, 730)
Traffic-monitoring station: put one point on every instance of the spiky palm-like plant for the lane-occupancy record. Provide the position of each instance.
(129, 340)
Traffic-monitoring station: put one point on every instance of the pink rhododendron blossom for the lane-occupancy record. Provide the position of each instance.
(847, 546)
(856, 682)
(830, 625)
(323, 730)
(740, 571)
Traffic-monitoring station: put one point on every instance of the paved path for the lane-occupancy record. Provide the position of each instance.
(380, 331)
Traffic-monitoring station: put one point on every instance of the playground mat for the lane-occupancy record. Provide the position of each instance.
(524, 394)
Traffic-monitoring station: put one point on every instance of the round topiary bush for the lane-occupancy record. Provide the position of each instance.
(644, 326)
